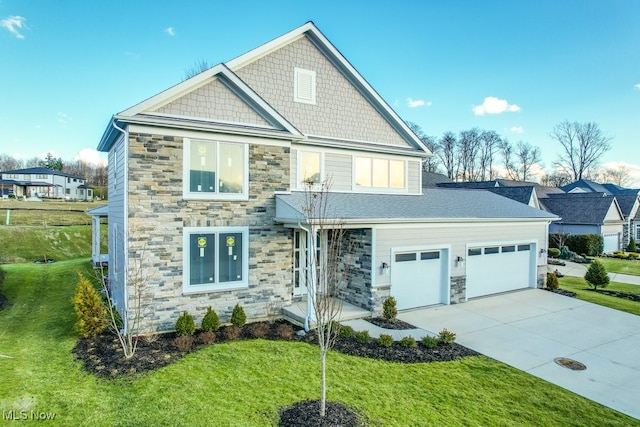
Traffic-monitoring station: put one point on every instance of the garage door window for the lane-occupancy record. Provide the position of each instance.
(430, 255)
(475, 251)
(405, 257)
(506, 249)
(492, 250)
(524, 248)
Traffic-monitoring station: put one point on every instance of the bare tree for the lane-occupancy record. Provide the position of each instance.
(468, 148)
(8, 163)
(556, 179)
(489, 144)
(430, 164)
(198, 66)
(448, 154)
(326, 272)
(619, 175)
(582, 146)
(519, 161)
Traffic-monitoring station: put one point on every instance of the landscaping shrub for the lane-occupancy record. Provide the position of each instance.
(633, 255)
(210, 321)
(346, 331)
(207, 337)
(590, 244)
(90, 310)
(430, 342)
(285, 331)
(631, 247)
(362, 337)
(257, 330)
(385, 340)
(232, 332)
(408, 342)
(554, 252)
(183, 342)
(597, 275)
(389, 310)
(238, 318)
(552, 281)
(185, 325)
(446, 337)
(620, 255)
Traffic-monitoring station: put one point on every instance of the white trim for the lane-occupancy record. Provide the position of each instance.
(379, 190)
(298, 178)
(214, 195)
(206, 120)
(214, 287)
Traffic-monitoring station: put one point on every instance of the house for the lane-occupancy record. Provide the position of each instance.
(206, 182)
(628, 202)
(43, 183)
(587, 213)
(523, 192)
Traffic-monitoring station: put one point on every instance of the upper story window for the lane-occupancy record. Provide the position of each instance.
(12, 176)
(310, 167)
(26, 177)
(304, 86)
(41, 176)
(215, 169)
(379, 173)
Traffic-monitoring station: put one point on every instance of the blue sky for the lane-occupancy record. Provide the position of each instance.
(516, 67)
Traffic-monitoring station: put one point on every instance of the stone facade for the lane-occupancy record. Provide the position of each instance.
(158, 213)
(357, 246)
(458, 293)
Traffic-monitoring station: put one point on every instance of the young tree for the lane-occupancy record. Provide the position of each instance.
(582, 146)
(597, 275)
(326, 273)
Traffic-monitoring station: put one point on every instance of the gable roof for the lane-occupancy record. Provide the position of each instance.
(628, 203)
(585, 185)
(41, 171)
(524, 195)
(432, 179)
(141, 113)
(581, 208)
(435, 205)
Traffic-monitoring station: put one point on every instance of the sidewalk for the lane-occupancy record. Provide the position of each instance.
(579, 270)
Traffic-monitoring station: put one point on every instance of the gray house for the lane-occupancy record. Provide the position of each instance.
(206, 185)
(43, 182)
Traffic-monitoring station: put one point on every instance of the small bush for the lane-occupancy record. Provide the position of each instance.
(362, 337)
(183, 342)
(385, 340)
(210, 321)
(621, 255)
(207, 337)
(446, 337)
(408, 342)
(238, 318)
(232, 332)
(597, 275)
(554, 252)
(389, 310)
(346, 331)
(430, 342)
(257, 330)
(552, 281)
(633, 255)
(90, 311)
(185, 325)
(285, 331)
(631, 247)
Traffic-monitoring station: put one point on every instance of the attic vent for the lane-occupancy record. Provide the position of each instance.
(304, 86)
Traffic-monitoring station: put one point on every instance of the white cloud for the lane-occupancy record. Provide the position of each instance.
(517, 129)
(63, 118)
(92, 156)
(415, 103)
(493, 105)
(637, 86)
(14, 24)
(170, 31)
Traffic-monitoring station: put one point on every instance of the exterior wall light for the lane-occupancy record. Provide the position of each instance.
(459, 261)
(384, 269)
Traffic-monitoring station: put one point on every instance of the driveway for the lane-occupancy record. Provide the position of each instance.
(529, 329)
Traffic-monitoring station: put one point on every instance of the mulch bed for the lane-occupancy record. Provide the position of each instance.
(562, 292)
(395, 324)
(307, 414)
(623, 295)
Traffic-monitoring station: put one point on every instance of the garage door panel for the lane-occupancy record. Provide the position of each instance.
(498, 268)
(417, 278)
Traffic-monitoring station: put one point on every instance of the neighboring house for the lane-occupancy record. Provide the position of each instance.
(587, 213)
(628, 201)
(43, 183)
(523, 192)
(206, 188)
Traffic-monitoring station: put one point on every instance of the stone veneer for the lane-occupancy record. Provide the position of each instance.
(458, 292)
(357, 249)
(158, 212)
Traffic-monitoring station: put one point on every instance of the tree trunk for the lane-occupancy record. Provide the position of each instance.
(323, 383)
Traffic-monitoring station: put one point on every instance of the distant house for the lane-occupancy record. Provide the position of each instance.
(520, 191)
(43, 183)
(587, 213)
(628, 201)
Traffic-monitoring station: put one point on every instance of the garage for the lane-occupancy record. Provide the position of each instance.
(610, 242)
(499, 268)
(419, 277)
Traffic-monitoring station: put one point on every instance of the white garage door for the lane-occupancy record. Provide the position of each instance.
(498, 268)
(610, 242)
(418, 278)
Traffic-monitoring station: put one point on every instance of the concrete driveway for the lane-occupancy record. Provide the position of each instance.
(529, 329)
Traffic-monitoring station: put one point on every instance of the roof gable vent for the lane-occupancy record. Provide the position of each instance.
(304, 86)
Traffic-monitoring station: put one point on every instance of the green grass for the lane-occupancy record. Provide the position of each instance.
(244, 383)
(46, 213)
(613, 265)
(583, 292)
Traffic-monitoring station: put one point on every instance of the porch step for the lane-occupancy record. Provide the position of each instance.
(297, 312)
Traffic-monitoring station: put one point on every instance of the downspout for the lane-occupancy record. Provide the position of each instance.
(125, 225)
(307, 319)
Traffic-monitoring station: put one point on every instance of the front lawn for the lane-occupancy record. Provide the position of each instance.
(583, 291)
(614, 265)
(244, 383)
